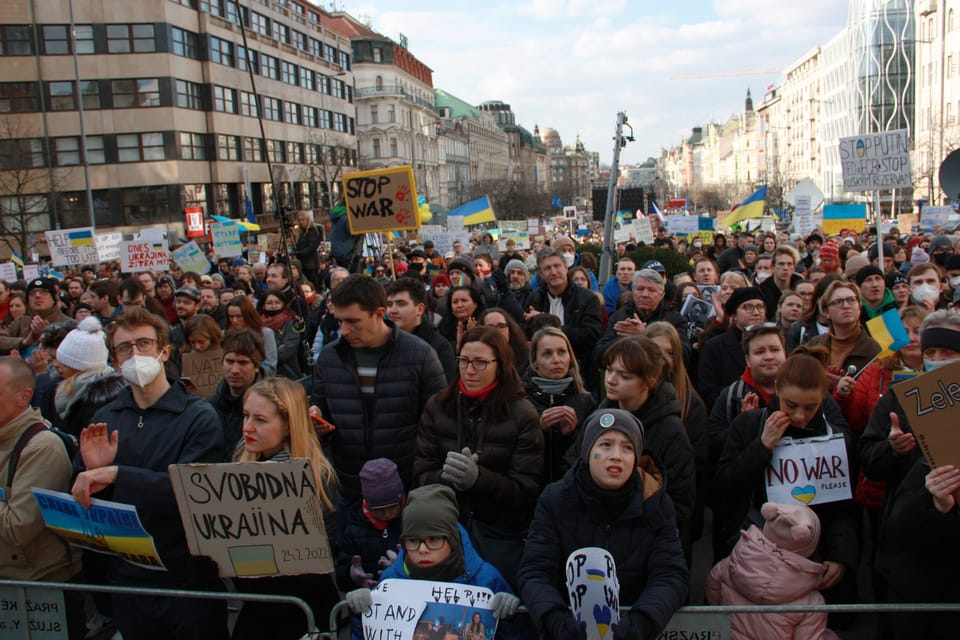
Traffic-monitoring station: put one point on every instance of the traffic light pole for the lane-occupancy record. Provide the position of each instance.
(609, 251)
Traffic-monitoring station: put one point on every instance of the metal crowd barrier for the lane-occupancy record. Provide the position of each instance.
(40, 595)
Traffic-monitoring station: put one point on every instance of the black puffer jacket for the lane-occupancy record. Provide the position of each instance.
(361, 538)
(510, 459)
(642, 539)
(557, 452)
(77, 399)
(582, 317)
(383, 426)
(721, 363)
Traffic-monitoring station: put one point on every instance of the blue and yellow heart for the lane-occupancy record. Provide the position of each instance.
(804, 494)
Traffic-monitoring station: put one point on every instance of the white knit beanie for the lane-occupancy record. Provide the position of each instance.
(85, 347)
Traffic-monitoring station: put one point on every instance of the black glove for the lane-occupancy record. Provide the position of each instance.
(500, 279)
(624, 630)
(563, 627)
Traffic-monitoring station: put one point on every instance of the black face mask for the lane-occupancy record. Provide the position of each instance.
(271, 312)
(940, 259)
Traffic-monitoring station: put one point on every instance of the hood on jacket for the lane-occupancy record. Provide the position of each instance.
(97, 386)
(471, 567)
(661, 403)
(765, 574)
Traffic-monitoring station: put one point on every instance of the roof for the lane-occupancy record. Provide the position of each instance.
(458, 108)
(347, 25)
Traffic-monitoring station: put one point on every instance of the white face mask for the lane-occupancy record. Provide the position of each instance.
(930, 365)
(141, 370)
(955, 282)
(925, 292)
(760, 276)
(569, 258)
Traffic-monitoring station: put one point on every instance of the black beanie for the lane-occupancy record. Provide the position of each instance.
(739, 296)
(866, 272)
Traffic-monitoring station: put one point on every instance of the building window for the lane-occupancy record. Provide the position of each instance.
(310, 153)
(326, 119)
(280, 32)
(228, 147)
(95, 153)
(377, 54)
(245, 57)
(394, 151)
(288, 73)
(378, 83)
(74, 211)
(144, 204)
(67, 151)
(16, 40)
(224, 99)
(275, 151)
(295, 152)
(315, 48)
(271, 108)
(131, 38)
(268, 66)
(61, 96)
(90, 93)
(253, 149)
(291, 112)
(184, 42)
(224, 203)
(338, 89)
(83, 39)
(143, 92)
(259, 23)
(323, 84)
(192, 146)
(339, 122)
(376, 147)
(188, 95)
(25, 153)
(248, 104)
(391, 113)
(136, 147)
(221, 51)
(307, 79)
(298, 39)
(55, 40)
(329, 54)
(374, 114)
(308, 116)
(345, 60)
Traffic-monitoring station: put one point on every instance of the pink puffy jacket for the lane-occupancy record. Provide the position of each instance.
(758, 572)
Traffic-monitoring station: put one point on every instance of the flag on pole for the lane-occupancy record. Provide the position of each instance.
(656, 211)
(248, 197)
(475, 212)
(752, 207)
(16, 259)
(888, 330)
(837, 217)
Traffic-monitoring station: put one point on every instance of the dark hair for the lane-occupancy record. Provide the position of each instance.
(805, 368)
(762, 329)
(640, 355)
(475, 295)
(282, 295)
(362, 291)
(107, 288)
(53, 334)
(679, 297)
(497, 405)
(518, 339)
(416, 289)
(818, 291)
(578, 268)
(285, 270)
(202, 323)
(244, 342)
(589, 261)
(486, 257)
(132, 287)
(191, 276)
(247, 311)
(134, 317)
(540, 321)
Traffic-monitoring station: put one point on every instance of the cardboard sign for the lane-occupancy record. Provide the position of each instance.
(594, 590)
(8, 272)
(416, 609)
(205, 370)
(226, 240)
(32, 614)
(381, 200)
(190, 258)
(876, 161)
(72, 247)
(803, 217)
(683, 225)
(809, 471)
(141, 255)
(108, 246)
(931, 403)
(106, 527)
(253, 519)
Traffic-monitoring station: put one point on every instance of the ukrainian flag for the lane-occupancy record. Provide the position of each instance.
(752, 207)
(475, 212)
(16, 259)
(837, 217)
(81, 238)
(888, 330)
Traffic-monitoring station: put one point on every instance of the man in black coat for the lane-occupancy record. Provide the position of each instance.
(406, 304)
(722, 360)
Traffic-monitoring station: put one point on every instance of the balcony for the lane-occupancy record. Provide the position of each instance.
(389, 90)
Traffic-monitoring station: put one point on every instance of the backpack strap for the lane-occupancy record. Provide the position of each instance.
(18, 448)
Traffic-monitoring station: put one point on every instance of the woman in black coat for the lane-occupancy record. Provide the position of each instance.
(612, 498)
(308, 242)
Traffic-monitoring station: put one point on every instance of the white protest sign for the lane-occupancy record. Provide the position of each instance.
(253, 519)
(108, 246)
(569, 212)
(643, 231)
(141, 255)
(151, 234)
(31, 272)
(8, 272)
(414, 609)
(533, 225)
(226, 240)
(803, 216)
(593, 590)
(72, 247)
(809, 471)
(932, 217)
(34, 614)
(876, 161)
(624, 232)
(683, 225)
(190, 258)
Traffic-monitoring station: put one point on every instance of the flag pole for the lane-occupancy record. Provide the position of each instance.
(876, 203)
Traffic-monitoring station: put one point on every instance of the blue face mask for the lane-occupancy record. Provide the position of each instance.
(930, 365)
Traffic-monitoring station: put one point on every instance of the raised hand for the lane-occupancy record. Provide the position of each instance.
(901, 443)
(774, 428)
(943, 483)
(97, 447)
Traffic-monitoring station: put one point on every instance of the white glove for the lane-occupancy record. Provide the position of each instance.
(461, 469)
(359, 600)
(504, 605)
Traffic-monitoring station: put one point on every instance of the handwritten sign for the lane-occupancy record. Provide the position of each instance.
(932, 406)
(932, 217)
(205, 370)
(876, 161)
(253, 519)
(226, 240)
(8, 272)
(71, 247)
(809, 471)
(413, 609)
(32, 614)
(106, 527)
(142, 255)
(31, 272)
(643, 231)
(381, 200)
(108, 246)
(803, 216)
(683, 225)
(190, 258)
(594, 590)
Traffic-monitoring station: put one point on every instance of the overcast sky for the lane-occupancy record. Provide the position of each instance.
(573, 64)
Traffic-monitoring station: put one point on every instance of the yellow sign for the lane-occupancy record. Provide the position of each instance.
(381, 200)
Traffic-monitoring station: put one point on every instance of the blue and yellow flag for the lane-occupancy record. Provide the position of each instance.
(888, 330)
(475, 212)
(16, 259)
(80, 238)
(837, 217)
(752, 207)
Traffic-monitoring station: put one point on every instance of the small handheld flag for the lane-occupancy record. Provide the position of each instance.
(888, 330)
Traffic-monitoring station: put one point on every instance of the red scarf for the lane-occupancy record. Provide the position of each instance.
(747, 378)
(379, 525)
(480, 394)
(278, 321)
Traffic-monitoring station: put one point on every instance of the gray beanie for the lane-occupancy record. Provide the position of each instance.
(603, 420)
(517, 264)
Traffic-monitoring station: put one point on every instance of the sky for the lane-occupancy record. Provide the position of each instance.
(573, 64)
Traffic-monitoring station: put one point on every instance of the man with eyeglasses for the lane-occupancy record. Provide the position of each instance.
(370, 387)
(124, 455)
(849, 343)
(785, 278)
(722, 360)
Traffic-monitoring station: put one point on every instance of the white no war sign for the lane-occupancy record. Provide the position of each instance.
(594, 590)
(409, 609)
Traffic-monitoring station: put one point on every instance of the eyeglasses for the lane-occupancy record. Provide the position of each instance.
(478, 364)
(805, 294)
(756, 326)
(754, 308)
(499, 325)
(843, 302)
(142, 344)
(433, 543)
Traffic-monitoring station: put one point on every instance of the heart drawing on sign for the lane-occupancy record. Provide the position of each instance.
(804, 494)
(602, 616)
